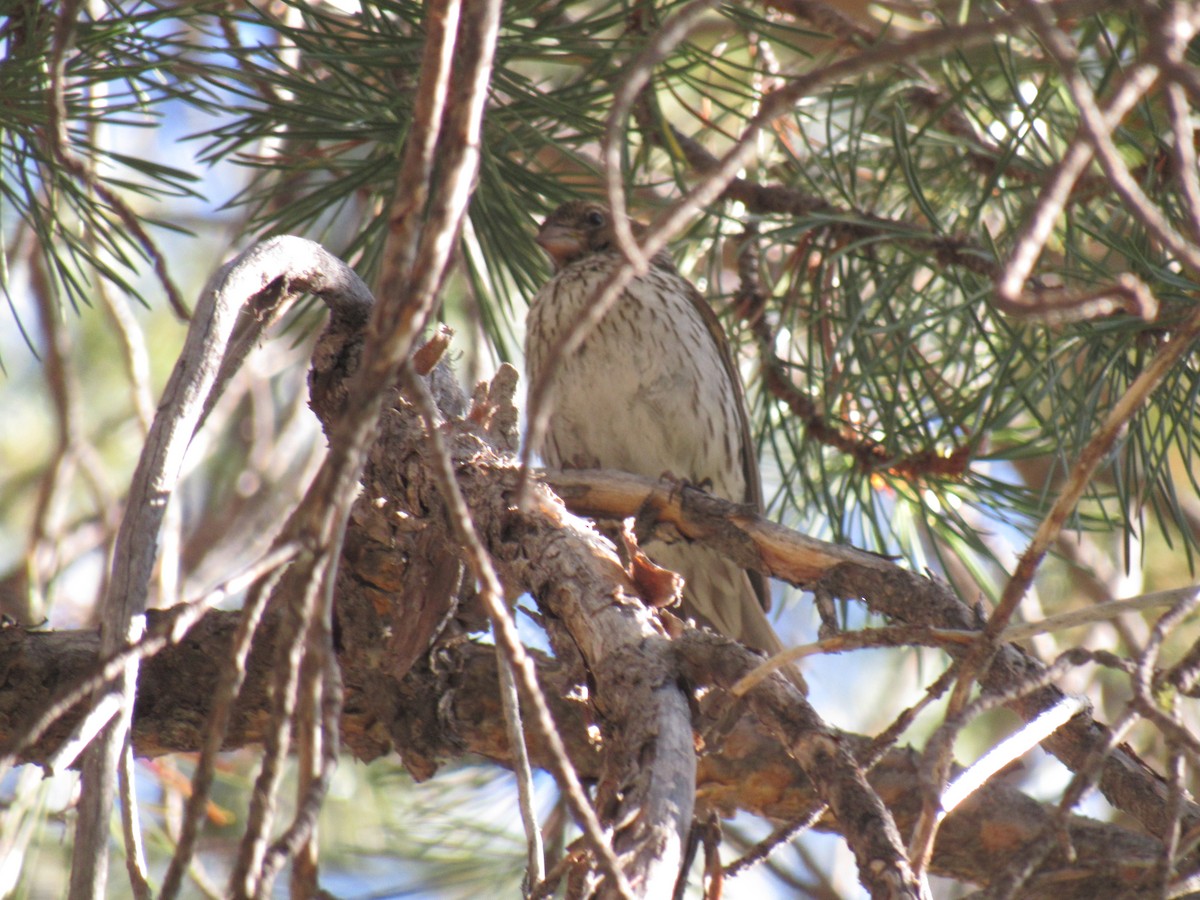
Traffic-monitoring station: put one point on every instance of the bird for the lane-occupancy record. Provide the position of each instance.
(653, 389)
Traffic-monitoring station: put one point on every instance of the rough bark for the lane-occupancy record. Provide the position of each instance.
(589, 603)
(889, 590)
(454, 714)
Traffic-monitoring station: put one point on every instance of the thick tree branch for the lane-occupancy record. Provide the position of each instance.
(589, 601)
(455, 714)
(887, 589)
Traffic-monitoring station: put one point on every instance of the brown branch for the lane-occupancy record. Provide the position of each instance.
(424, 222)
(865, 823)
(1181, 342)
(1097, 126)
(514, 662)
(737, 531)
(718, 179)
(977, 658)
(658, 47)
(455, 714)
(583, 590)
(902, 596)
(827, 17)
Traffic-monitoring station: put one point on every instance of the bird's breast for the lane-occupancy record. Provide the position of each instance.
(648, 391)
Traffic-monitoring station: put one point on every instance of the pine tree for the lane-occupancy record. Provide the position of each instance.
(956, 249)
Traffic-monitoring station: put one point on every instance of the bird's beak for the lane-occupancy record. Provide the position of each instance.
(561, 242)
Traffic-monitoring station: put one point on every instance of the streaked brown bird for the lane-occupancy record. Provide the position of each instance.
(653, 389)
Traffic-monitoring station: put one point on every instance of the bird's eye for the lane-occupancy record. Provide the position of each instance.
(595, 218)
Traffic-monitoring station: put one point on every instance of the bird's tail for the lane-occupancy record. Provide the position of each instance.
(718, 593)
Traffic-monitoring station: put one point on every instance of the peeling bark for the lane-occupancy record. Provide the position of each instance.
(454, 714)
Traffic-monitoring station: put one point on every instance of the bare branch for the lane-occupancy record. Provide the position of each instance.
(511, 657)
(277, 270)
(867, 825)
(665, 38)
(751, 770)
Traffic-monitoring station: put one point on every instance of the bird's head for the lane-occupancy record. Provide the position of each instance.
(576, 229)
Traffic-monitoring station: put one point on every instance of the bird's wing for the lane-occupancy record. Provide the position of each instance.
(754, 494)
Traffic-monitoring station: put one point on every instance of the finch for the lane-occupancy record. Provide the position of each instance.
(653, 389)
